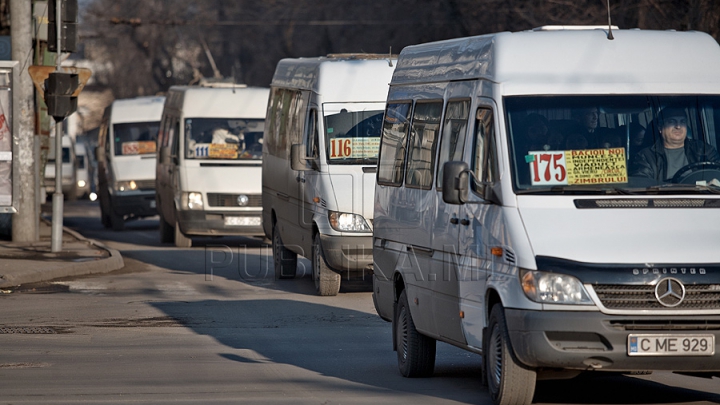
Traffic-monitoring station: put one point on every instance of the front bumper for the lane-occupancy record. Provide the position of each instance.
(348, 255)
(215, 223)
(137, 204)
(596, 341)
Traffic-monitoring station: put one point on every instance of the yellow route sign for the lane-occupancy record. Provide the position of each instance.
(40, 73)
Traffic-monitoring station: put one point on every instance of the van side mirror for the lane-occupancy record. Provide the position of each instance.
(456, 182)
(298, 159)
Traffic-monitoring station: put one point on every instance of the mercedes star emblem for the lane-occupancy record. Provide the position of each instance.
(243, 200)
(670, 292)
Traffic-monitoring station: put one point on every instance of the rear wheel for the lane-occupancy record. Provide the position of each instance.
(509, 382)
(284, 259)
(181, 240)
(327, 282)
(415, 351)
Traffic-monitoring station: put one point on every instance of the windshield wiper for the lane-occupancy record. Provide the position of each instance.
(579, 190)
(683, 188)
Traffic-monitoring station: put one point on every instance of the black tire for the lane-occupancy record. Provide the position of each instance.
(285, 260)
(167, 233)
(327, 282)
(117, 222)
(181, 240)
(415, 351)
(509, 382)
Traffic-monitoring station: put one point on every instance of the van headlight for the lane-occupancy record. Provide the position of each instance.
(126, 185)
(191, 201)
(81, 183)
(346, 222)
(553, 288)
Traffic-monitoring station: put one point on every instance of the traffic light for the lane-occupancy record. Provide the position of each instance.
(68, 25)
(59, 89)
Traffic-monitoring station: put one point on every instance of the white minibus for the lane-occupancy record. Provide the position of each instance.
(322, 135)
(127, 143)
(550, 199)
(209, 162)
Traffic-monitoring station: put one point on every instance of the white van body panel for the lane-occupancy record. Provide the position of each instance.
(222, 179)
(616, 241)
(616, 235)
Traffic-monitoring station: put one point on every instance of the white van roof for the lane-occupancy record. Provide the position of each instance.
(139, 109)
(341, 77)
(219, 102)
(571, 61)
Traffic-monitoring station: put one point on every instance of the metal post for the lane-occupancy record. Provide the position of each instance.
(57, 216)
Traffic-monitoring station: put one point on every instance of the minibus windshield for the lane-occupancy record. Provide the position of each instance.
(352, 132)
(624, 144)
(223, 138)
(135, 138)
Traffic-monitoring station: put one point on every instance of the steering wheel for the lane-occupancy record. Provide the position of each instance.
(698, 171)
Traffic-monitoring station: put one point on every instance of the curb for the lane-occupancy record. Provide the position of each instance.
(54, 270)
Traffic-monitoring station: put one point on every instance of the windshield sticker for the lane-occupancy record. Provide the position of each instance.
(577, 167)
(354, 148)
(138, 147)
(216, 150)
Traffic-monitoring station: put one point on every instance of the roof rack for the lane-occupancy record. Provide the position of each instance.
(360, 56)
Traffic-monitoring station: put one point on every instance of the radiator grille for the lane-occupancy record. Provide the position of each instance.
(148, 185)
(640, 297)
(231, 200)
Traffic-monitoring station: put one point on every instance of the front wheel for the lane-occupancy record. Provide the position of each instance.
(327, 282)
(415, 351)
(509, 382)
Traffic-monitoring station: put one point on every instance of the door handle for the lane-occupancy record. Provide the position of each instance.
(465, 222)
(454, 220)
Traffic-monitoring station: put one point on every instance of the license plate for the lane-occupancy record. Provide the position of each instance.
(152, 204)
(671, 345)
(242, 221)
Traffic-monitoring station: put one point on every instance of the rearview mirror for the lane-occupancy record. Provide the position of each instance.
(456, 182)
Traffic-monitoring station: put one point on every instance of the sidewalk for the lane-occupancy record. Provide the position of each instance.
(23, 263)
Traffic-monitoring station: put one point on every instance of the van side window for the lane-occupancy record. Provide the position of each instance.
(484, 161)
(423, 138)
(273, 121)
(453, 135)
(391, 162)
(311, 134)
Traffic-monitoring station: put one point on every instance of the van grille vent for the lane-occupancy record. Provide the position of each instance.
(639, 297)
(649, 203)
(656, 324)
(145, 184)
(509, 255)
(231, 200)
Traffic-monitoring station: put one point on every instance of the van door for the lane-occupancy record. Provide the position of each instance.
(446, 226)
(481, 231)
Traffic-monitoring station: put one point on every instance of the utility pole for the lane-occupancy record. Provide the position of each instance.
(25, 222)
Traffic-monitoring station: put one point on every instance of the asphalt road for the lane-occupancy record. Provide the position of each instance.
(209, 324)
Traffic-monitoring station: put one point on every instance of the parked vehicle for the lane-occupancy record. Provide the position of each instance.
(127, 143)
(547, 255)
(69, 186)
(82, 176)
(209, 162)
(322, 135)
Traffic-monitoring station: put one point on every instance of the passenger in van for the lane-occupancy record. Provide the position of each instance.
(587, 126)
(539, 136)
(673, 150)
(636, 133)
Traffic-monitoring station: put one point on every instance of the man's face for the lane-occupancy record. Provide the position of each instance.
(590, 118)
(674, 131)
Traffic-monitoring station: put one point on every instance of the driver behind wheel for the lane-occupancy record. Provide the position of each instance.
(672, 151)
